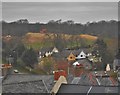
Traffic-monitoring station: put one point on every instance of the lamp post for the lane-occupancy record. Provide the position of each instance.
(15, 55)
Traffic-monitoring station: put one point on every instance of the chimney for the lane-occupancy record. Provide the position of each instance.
(59, 73)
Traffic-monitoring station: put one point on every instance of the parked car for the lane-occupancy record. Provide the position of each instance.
(16, 71)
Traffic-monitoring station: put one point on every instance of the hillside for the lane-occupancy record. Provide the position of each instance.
(39, 40)
(39, 37)
(69, 35)
(89, 37)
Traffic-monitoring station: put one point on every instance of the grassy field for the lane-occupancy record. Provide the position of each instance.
(39, 40)
(39, 45)
(88, 37)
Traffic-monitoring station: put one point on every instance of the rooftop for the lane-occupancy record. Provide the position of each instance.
(25, 83)
(74, 88)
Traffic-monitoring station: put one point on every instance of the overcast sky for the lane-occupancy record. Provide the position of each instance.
(45, 11)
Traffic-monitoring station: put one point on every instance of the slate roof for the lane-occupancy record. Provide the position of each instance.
(25, 87)
(75, 89)
(83, 86)
(44, 50)
(25, 83)
(84, 79)
(65, 53)
(85, 63)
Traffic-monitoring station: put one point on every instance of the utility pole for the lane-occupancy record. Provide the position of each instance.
(68, 69)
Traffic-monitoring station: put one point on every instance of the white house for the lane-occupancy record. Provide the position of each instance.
(55, 50)
(89, 54)
(81, 55)
(48, 54)
(45, 52)
(108, 67)
(76, 63)
(85, 63)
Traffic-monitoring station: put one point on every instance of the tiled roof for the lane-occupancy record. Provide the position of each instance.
(25, 87)
(66, 53)
(85, 62)
(25, 83)
(80, 90)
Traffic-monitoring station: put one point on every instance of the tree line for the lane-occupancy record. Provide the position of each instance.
(101, 28)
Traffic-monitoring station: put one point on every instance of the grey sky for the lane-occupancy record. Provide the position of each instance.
(44, 11)
(60, 0)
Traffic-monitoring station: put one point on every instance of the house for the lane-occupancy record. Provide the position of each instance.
(108, 67)
(80, 66)
(75, 89)
(59, 73)
(40, 54)
(81, 55)
(45, 52)
(86, 63)
(82, 86)
(71, 57)
(61, 80)
(76, 63)
(55, 50)
(27, 83)
(48, 54)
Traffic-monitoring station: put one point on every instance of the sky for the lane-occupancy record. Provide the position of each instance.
(79, 12)
(59, 0)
